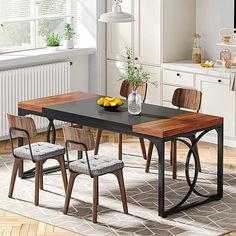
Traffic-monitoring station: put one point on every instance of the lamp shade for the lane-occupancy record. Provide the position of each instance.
(116, 15)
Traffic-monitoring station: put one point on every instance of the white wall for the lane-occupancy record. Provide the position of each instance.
(91, 33)
(211, 15)
(80, 74)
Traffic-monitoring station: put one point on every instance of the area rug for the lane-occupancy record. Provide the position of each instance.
(214, 218)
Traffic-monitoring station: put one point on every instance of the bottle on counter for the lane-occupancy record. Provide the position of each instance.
(225, 56)
(196, 49)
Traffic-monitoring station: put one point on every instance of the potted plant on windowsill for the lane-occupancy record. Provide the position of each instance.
(68, 35)
(53, 41)
(136, 76)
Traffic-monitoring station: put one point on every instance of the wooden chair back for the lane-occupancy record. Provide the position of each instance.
(80, 136)
(187, 98)
(23, 123)
(126, 88)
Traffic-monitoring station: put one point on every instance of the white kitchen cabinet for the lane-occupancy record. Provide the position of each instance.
(218, 100)
(114, 71)
(173, 79)
(153, 91)
(147, 31)
(119, 36)
(162, 30)
(178, 78)
(143, 35)
(116, 68)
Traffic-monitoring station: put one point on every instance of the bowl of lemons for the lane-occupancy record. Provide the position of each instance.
(110, 103)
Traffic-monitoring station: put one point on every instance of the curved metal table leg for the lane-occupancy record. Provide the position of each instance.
(159, 143)
(51, 126)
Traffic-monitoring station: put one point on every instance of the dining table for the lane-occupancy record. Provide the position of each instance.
(158, 124)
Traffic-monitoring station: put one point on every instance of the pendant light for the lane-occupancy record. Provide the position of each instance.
(116, 15)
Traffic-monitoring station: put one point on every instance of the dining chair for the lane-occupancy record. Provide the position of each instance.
(94, 166)
(125, 90)
(187, 99)
(38, 152)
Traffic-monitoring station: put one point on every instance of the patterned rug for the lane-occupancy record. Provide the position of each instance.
(214, 218)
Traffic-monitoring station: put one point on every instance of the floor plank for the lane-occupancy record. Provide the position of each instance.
(16, 225)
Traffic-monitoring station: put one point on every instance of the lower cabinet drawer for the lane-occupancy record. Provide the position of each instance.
(178, 78)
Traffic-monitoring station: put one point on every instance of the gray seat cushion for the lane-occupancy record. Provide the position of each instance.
(40, 150)
(99, 165)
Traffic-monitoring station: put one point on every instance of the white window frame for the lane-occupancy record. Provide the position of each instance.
(34, 29)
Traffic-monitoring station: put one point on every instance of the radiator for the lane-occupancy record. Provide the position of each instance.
(29, 83)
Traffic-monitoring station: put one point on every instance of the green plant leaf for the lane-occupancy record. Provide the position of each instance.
(134, 74)
(53, 40)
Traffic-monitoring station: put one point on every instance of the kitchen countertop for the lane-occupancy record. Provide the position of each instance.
(188, 66)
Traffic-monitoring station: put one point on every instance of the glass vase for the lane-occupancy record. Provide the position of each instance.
(134, 103)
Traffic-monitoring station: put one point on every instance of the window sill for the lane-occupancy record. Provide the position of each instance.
(46, 55)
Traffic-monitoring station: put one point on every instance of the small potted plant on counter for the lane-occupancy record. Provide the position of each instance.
(68, 35)
(53, 41)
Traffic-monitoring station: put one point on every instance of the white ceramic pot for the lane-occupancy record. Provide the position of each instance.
(69, 44)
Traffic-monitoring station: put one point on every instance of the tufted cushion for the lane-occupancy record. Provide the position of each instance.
(99, 165)
(40, 150)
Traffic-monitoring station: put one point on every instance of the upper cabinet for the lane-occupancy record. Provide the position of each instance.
(119, 36)
(147, 42)
(143, 35)
(162, 31)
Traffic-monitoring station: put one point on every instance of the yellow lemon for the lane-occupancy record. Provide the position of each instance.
(109, 99)
(119, 102)
(112, 104)
(106, 104)
(100, 101)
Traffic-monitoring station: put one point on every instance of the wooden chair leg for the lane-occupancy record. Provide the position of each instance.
(149, 157)
(69, 191)
(41, 176)
(119, 175)
(61, 161)
(192, 139)
(97, 142)
(95, 198)
(37, 180)
(173, 157)
(142, 143)
(13, 176)
(120, 146)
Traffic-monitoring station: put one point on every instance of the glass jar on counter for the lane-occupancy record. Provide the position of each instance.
(196, 49)
(196, 55)
(225, 54)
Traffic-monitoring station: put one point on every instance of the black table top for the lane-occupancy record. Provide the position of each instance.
(87, 112)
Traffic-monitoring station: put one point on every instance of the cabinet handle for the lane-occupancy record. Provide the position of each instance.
(219, 80)
(135, 58)
(178, 74)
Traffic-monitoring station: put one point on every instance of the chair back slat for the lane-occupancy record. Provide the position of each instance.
(126, 88)
(187, 98)
(79, 135)
(24, 123)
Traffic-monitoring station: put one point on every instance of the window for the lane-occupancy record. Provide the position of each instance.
(25, 24)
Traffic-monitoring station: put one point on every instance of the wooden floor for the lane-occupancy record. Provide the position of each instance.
(14, 225)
